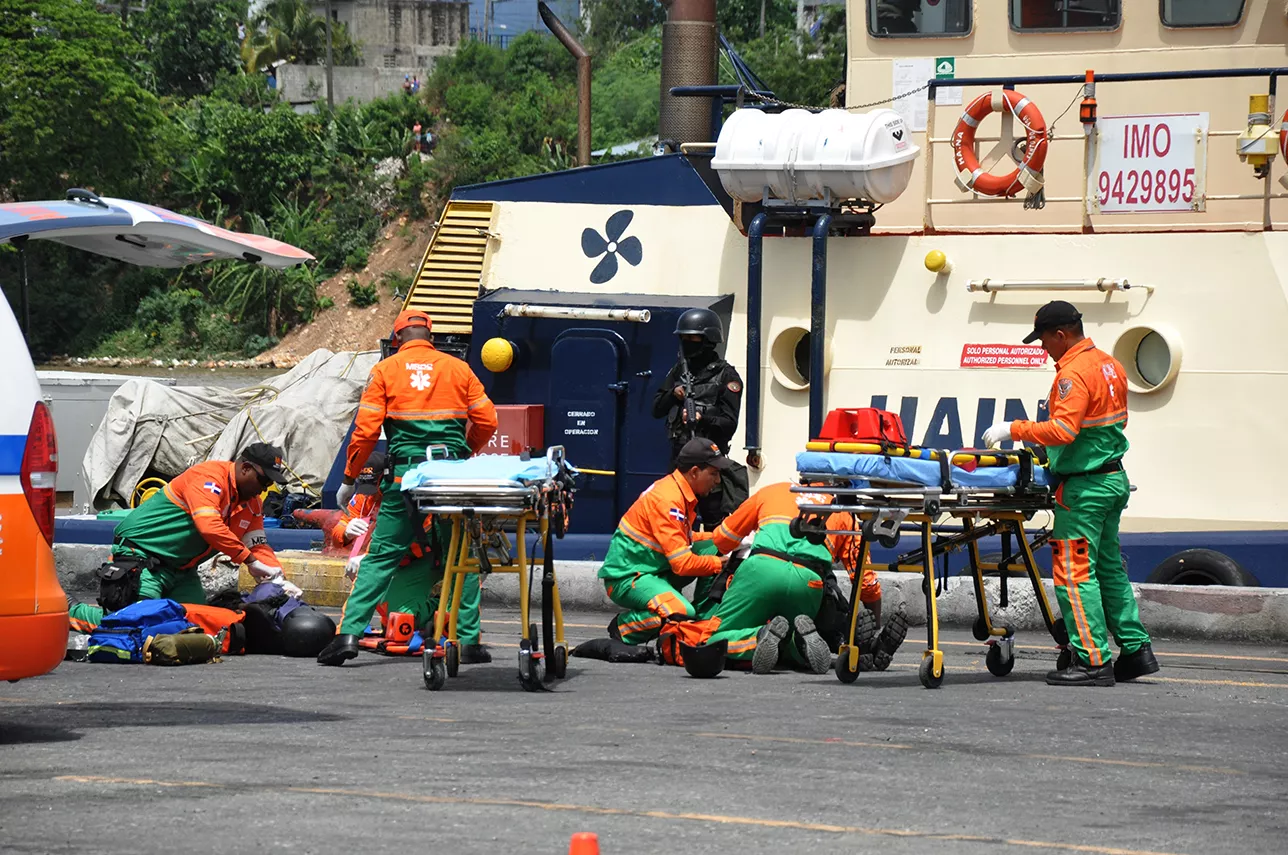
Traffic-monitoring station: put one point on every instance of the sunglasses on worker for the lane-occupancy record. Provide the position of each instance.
(264, 481)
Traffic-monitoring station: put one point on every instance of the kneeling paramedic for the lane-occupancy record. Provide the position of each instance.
(774, 594)
(212, 507)
(419, 397)
(655, 552)
(1085, 440)
(409, 591)
(877, 642)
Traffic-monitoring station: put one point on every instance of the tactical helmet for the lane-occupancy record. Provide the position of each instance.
(703, 322)
(305, 631)
(705, 660)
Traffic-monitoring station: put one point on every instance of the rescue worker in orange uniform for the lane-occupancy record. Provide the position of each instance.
(419, 397)
(211, 507)
(1086, 439)
(774, 594)
(408, 592)
(655, 552)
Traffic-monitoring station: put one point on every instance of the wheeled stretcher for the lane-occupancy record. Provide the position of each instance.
(950, 500)
(492, 501)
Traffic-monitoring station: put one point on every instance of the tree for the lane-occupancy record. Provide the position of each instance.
(72, 112)
(189, 43)
(289, 30)
(614, 22)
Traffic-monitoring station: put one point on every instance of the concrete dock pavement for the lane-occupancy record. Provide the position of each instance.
(279, 754)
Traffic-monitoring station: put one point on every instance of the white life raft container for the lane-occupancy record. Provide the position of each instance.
(799, 156)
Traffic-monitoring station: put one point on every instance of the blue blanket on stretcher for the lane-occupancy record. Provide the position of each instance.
(486, 467)
(865, 467)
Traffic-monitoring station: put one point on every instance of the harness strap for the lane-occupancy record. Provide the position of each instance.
(818, 565)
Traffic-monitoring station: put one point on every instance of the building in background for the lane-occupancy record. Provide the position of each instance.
(500, 21)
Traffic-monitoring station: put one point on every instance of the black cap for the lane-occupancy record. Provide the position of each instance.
(701, 452)
(1055, 314)
(372, 471)
(268, 458)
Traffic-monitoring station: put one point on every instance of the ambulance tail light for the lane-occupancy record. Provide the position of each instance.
(39, 470)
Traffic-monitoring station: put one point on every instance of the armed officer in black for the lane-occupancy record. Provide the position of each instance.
(702, 396)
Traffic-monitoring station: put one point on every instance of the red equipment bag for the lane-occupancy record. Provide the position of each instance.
(865, 424)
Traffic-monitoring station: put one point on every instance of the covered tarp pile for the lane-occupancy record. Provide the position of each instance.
(155, 430)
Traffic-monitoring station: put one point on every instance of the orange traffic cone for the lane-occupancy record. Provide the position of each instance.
(584, 843)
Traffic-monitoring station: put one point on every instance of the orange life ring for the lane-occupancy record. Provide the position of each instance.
(1028, 175)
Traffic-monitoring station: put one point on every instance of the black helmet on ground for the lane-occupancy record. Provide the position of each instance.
(305, 631)
(705, 660)
(703, 322)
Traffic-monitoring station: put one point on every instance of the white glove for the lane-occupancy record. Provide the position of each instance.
(289, 588)
(997, 434)
(356, 528)
(351, 568)
(261, 571)
(344, 494)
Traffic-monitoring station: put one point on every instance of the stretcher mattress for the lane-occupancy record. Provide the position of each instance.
(486, 468)
(869, 467)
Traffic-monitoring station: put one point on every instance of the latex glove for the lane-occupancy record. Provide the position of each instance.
(351, 568)
(356, 528)
(344, 494)
(261, 571)
(289, 588)
(997, 434)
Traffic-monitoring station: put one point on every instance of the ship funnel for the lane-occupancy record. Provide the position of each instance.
(688, 59)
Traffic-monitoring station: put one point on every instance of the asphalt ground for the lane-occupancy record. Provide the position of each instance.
(270, 754)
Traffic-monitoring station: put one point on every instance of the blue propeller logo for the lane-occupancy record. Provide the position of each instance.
(610, 245)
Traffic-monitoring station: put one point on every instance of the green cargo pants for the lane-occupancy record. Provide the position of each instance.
(380, 578)
(763, 588)
(182, 586)
(1091, 583)
(650, 598)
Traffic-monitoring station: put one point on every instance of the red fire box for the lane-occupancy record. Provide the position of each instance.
(521, 428)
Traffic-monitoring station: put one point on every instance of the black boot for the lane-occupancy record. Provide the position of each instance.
(1079, 674)
(1134, 665)
(341, 649)
(475, 654)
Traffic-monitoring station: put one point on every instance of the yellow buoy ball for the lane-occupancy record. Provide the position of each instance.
(497, 355)
(937, 262)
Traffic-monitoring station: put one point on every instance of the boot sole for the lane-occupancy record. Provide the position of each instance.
(865, 630)
(816, 650)
(339, 657)
(1099, 682)
(1126, 678)
(765, 659)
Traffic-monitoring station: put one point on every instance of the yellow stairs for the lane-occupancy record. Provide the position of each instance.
(451, 272)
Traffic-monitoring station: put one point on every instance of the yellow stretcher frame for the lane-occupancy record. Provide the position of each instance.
(976, 524)
(462, 560)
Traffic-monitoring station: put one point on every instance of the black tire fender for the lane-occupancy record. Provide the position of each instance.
(1202, 567)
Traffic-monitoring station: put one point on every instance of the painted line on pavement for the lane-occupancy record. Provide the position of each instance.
(1146, 680)
(1044, 648)
(559, 807)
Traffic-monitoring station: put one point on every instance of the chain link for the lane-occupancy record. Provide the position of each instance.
(775, 101)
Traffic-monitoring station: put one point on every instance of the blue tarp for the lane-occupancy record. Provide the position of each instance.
(863, 467)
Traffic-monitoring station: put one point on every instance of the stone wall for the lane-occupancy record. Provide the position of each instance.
(306, 84)
(402, 34)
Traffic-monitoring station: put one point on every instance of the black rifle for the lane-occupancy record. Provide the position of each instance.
(690, 422)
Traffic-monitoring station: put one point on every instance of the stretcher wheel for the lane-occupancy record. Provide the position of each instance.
(559, 661)
(1064, 660)
(929, 680)
(998, 664)
(435, 670)
(453, 659)
(979, 629)
(1061, 633)
(843, 672)
(532, 637)
(794, 528)
(532, 669)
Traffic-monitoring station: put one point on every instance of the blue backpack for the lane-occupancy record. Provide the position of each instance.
(120, 636)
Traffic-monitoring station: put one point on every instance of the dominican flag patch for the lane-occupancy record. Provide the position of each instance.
(214, 488)
(678, 514)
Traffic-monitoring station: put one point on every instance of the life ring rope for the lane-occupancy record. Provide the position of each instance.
(971, 176)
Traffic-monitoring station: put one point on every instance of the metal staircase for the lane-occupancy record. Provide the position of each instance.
(451, 272)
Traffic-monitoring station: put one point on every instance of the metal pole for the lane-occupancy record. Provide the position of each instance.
(21, 243)
(330, 89)
(818, 323)
(582, 56)
(755, 271)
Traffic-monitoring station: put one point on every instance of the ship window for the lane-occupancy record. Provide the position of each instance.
(1200, 13)
(913, 18)
(1065, 15)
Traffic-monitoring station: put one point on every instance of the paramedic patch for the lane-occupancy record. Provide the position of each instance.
(1064, 385)
(734, 386)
